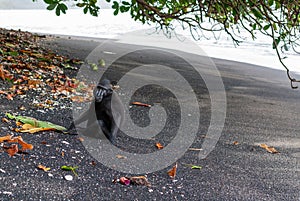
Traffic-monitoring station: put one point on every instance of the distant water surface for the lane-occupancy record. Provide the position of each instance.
(109, 26)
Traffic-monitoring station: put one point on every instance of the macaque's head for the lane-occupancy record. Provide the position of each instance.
(102, 90)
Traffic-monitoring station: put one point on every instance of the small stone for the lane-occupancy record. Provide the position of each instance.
(69, 177)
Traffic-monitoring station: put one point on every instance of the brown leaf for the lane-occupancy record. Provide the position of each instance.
(25, 146)
(9, 97)
(140, 180)
(159, 146)
(80, 139)
(12, 150)
(141, 104)
(2, 75)
(271, 150)
(5, 138)
(5, 120)
(235, 143)
(172, 172)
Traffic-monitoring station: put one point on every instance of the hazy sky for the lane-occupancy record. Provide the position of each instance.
(29, 4)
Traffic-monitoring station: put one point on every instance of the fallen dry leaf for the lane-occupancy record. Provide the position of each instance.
(12, 150)
(159, 146)
(44, 168)
(5, 120)
(172, 172)
(140, 180)
(35, 130)
(271, 150)
(80, 139)
(235, 143)
(141, 104)
(5, 138)
(120, 156)
(25, 146)
(136, 180)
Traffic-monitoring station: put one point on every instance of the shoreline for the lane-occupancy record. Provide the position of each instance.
(258, 55)
(271, 74)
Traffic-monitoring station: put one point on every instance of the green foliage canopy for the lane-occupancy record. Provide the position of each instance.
(277, 19)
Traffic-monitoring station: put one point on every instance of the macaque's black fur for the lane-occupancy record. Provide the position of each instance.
(104, 106)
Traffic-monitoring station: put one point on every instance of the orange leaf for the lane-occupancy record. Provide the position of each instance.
(9, 96)
(34, 83)
(5, 138)
(159, 146)
(172, 172)
(5, 120)
(12, 150)
(2, 76)
(271, 150)
(141, 104)
(24, 145)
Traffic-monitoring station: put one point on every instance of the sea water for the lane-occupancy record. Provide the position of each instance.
(106, 25)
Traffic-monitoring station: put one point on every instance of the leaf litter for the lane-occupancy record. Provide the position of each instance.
(26, 68)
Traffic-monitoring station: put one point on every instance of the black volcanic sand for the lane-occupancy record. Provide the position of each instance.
(261, 108)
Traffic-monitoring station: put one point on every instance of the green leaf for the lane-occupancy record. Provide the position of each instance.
(126, 3)
(115, 5)
(94, 66)
(51, 6)
(257, 13)
(116, 12)
(276, 42)
(271, 2)
(36, 123)
(85, 10)
(49, 1)
(196, 167)
(267, 27)
(57, 11)
(69, 168)
(101, 62)
(14, 53)
(80, 5)
(63, 7)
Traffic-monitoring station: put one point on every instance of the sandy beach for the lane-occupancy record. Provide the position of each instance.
(261, 108)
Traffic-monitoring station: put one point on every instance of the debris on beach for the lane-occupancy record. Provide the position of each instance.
(159, 146)
(44, 168)
(32, 125)
(270, 149)
(172, 172)
(141, 104)
(11, 144)
(27, 67)
(68, 177)
(193, 166)
(135, 180)
(69, 168)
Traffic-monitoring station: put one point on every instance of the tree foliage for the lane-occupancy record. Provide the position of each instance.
(277, 19)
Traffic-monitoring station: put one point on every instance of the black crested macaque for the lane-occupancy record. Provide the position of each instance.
(109, 112)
